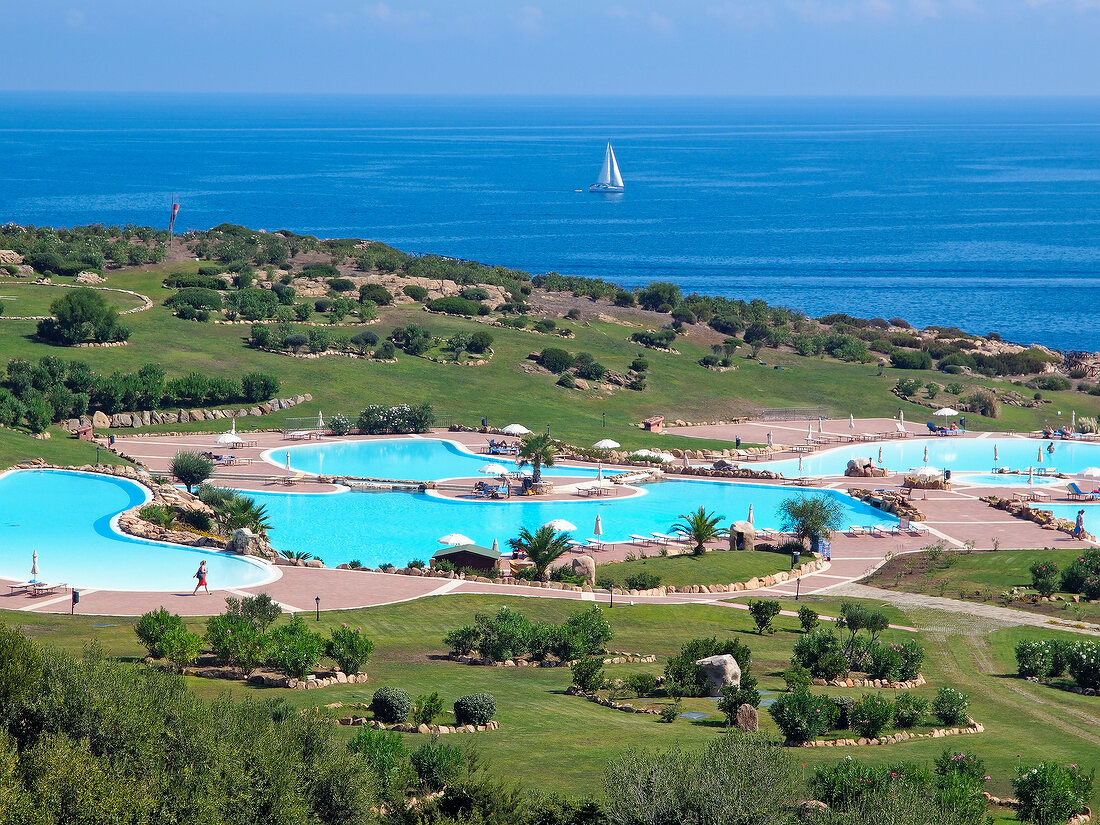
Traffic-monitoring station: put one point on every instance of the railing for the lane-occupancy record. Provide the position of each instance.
(792, 413)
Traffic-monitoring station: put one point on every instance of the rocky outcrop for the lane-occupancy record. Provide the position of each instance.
(247, 543)
(720, 671)
(888, 501)
(10, 256)
(146, 418)
(864, 468)
(585, 568)
(1044, 518)
(748, 720)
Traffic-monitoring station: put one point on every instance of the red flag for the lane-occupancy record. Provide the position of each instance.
(172, 220)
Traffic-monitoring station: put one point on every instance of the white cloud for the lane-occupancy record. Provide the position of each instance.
(529, 19)
(831, 12)
(659, 23)
(74, 18)
(743, 14)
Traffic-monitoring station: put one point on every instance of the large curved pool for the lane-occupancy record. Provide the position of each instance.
(70, 519)
(962, 455)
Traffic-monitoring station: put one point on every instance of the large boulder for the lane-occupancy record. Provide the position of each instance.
(747, 718)
(100, 421)
(585, 567)
(247, 543)
(720, 671)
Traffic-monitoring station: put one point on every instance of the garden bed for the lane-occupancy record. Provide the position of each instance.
(893, 738)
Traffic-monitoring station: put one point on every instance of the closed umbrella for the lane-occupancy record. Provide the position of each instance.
(606, 444)
(455, 539)
(1040, 459)
(515, 429)
(851, 422)
(769, 440)
(925, 453)
(320, 421)
(880, 455)
(750, 514)
(1030, 475)
(996, 457)
(288, 460)
(809, 431)
(819, 423)
(496, 546)
(901, 416)
(598, 529)
(800, 462)
(561, 525)
(34, 565)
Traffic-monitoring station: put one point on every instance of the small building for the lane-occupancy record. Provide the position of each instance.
(84, 432)
(655, 424)
(469, 555)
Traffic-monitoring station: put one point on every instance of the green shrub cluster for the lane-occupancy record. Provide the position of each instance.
(1050, 793)
(404, 418)
(687, 678)
(508, 633)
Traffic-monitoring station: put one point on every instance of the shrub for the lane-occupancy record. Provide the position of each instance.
(870, 714)
(912, 658)
(567, 381)
(379, 420)
(190, 468)
(762, 612)
(643, 581)
(844, 705)
(821, 652)
(593, 371)
(797, 676)
(453, 305)
(474, 293)
(669, 713)
(642, 684)
(236, 641)
(655, 340)
(682, 671)
(153, 626)
(80, 316)
(417, 293)
(426, 709)
(588, 673)
(259, 386)
(733, 697)
(807, 617)
(376, 293)
(555, 359)
(341, 284)
(295, 649)
(1034, 659)
(1045, 577)
(1080, 569)
(390, 705)
(480, 341)
(885, 662)
(950, 705)
(158, 514)
(592, 627)
(1049, 793)
(436, 765)
(624, 299)
(475, 709)
(462, 641)
(964, 764)
(350, 649)
(197, 519)
(1083, 660)
(260, 610)
(503, 635)
(803, 716)
(180, 646)
(385, 754)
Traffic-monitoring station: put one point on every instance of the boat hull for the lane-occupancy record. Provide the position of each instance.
(607, 189)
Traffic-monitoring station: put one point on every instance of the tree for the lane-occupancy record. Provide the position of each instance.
(538, 451)
(191, 468)
(811, 515)
(699, 527)
(81, 316)
(542, 547)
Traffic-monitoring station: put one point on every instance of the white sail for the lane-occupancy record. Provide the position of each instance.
(609, 179)
(616, 178)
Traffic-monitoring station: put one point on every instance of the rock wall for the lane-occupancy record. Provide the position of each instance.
(148, 418)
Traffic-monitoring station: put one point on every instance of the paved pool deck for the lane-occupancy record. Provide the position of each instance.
(953, 517)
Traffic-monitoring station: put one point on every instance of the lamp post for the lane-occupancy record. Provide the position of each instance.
(548, 429)
(97, 455)
(605, 419)
(611, 590)
(318, 601)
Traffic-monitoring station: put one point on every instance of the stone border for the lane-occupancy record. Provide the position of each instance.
(1079, 819)
(408, 727)
(573, 690)
(1044, 518)
(311, 681)
(872, 683)
(894, 738)
(1075, 688)
(150, 418)
(147, 303)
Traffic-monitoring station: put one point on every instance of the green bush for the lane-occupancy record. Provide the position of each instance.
(475, 709)
(473, 293)
(158, 514)
(1034, 658)
(821, 651)
(1045, 577)
(385, 754)
(762, 612)
(236, 641)
(555, 359)
(295, 649)
(1080, 570)
(180, 646)
(733, 697)
(910, 710)
(958, 762)
(870, 714)
(911, 360)
(844, 705)
(591, 626)
(642, 684)
(81, 316)
(417, 293)
(885, 662)
(643, 580)
(1083, 659)
(436, 765)
(453, 305)
(1049, 793)
(502, 635)
(669, 713)
(797, 676)
(341, 284)
(803, 716)
(152, 627)
(426, 708)
(950, 705)
(807, 617)
(390, 705)
(350, 649)
(588, 673)
(681, 670)
(376, 293)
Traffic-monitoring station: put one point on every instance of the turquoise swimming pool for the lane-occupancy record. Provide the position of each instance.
(961, 455)
(69, 518)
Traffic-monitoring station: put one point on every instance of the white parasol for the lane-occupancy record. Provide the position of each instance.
(928, 472)
(809, 431)
(493, 470)
(1073, 420)
(1090, 472)
(1030, 475)
(819, 423)
(996, 457)
(455, 539)
(515, 429)
(880, 455)
(925, 453)
(606, 444)
(228, 438)
(561, 525)
(946, 412)
(320, 421)
(288, 460)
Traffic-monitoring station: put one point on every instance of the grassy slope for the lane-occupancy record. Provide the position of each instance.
(678, 387)
(60, 448)
(719, 567)
(533, 711)
(23, 299)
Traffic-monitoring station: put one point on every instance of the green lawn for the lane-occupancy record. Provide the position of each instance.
(59, 448)
(27, 299)
(502, 392)
(552, 741)
(983, 577)
(717, 567)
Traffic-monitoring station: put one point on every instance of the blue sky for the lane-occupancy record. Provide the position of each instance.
(769, 47)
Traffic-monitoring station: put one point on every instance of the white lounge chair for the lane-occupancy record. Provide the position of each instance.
(39, 588)
(856, 530)
(642, 540)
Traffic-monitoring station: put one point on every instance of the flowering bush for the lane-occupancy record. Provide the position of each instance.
(821, 651)
(1049, 794)
(959, 762)
(870, 714)
(350, 649)
(152, 627)
(236, 641)
(404, 418)
(1044, 577)
(1035, 659)
(912, 658)
(950, 706)
(339, 424)
(803, 716)
(1083, 659)
(885, 662)
(1083, 568)
(295, 649)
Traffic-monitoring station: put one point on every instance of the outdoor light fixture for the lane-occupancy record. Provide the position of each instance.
(605, 419)
(318, 600)
(794, 558)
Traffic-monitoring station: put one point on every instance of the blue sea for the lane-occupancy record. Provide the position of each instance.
(983, 214)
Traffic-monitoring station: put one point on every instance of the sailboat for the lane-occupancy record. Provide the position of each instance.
(609, 179)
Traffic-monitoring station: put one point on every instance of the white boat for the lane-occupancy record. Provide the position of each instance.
(609, 179)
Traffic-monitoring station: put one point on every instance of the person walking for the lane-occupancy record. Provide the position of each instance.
(200, 574)
(1079, 527)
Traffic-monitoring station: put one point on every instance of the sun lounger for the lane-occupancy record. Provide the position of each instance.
(1078, 494)
(912, 527)
(642, 540)
(578, 545)
(20, 587)
(856, 530)
(901, 431)
(665, 538)
(41, 588)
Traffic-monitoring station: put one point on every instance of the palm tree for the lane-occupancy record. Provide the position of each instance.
(538, 451)
(700, 527)
(811, 515)
(241, 511)
(542, 547)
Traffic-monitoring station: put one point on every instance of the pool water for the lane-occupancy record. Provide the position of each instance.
(417, 459)
(1005, 480)
(949, 453)
(381, 526)
(1069, 511)
(69, 518)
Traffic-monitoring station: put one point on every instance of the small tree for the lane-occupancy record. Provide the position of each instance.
(537, 450)
(191, 468)
(762, 612)
(811, 515)
(544, 546)
(808, 618)
(699, 527)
